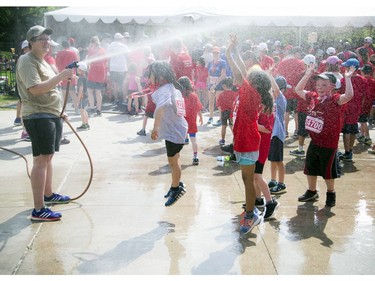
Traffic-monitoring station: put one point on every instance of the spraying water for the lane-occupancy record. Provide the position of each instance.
(191, 31)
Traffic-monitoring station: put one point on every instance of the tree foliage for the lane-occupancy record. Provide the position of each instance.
(16, 21)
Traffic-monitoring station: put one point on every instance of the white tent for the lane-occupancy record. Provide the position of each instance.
(281, 15)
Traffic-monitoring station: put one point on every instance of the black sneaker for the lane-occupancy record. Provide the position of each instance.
(272, 183)
(170, 190)
(331, 199)
(227, 148)
(98, 113)
(195, 161)
(271, 208)
(280, 188)
(174, 195)
(141, 133)
(308, 196)
(259, 202)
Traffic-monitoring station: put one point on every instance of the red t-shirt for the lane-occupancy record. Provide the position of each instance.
(226, 99)
(192, 107)
(200, 77)
(370, 96)
(293, 70)
(63, 59)
(182, 65)
(325, 120)
(266, 62)
(97, 69)
(267, 120)
(354, 107)
(245, 130)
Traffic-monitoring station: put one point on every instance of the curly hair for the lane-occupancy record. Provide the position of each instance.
(262, 83)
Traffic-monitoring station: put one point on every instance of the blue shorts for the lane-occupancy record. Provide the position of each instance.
(246, 158)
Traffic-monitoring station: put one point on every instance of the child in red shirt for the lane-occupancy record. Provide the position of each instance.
(254, 90)
(200, 82)
(324, 123)
(225, 102)
(193, 109)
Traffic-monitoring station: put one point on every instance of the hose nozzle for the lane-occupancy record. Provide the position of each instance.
(74, 64)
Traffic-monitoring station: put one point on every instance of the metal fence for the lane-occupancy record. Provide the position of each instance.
(7, 73)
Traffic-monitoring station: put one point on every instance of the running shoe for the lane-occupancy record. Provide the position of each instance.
(45, 214)
(174, 195)
(57, 199)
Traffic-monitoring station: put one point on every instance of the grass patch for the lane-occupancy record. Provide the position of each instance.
(8, 102)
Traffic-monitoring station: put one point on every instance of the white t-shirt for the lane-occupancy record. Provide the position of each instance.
(173, 126)
(118, 61)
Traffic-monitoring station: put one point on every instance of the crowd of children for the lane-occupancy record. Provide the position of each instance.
(245, 84)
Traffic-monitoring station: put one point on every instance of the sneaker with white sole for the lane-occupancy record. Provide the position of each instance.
(45, 214)
(249, 221)
(56, 199)
(271, 208)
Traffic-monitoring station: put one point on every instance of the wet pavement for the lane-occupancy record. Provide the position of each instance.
(120, 225)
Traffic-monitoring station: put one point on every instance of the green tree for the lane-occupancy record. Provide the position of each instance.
(16, 21)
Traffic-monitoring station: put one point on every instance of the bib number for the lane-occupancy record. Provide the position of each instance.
(314, 124)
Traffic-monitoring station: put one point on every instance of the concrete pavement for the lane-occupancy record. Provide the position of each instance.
(120, 226)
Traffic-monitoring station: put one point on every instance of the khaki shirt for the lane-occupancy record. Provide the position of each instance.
(31, 71)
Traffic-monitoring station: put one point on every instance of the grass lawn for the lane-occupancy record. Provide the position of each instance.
(7, 102)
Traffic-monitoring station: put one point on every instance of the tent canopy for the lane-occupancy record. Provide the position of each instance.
(297, 15)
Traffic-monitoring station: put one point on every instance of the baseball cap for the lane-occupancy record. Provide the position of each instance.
(308, 59)
(126, 35)
(331, 51)
(118, 36)
(53, 43)
(351, 62)
(25, 44)
(216, 49)
(263, 47)
(82, 66)
(332, 60)
(367, 40)
(36, 31)
(281, 82)
(327, 76)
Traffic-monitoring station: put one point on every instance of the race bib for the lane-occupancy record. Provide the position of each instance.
(180, 105)
(314, 124)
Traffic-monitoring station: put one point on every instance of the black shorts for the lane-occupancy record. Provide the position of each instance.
(276, 153)
(173, 148)
(350, 129)
(258, 168)
(363, 118)
(321, 161)
(45, 134)
(117, 77)
(291, 105)
(301, 124)
(225, 117)
(96, 85)
(149, 114)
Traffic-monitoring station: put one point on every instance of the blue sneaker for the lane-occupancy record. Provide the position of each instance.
(209, 120)
(174, 195)
(222, 142)
(57, 199)
(45, 214)
(18, 121)
(169, 191)
(248, 223)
